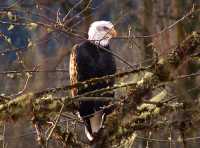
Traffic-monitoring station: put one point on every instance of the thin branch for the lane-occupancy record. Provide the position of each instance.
(54, 126)
(95, 80)
(191, 12)
(24, 87)
(40, 137)
(75, 6)
(81, 12)
(34, 71)
(4, 139)
(2, 7)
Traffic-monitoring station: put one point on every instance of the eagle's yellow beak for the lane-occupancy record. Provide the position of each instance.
(113, 32)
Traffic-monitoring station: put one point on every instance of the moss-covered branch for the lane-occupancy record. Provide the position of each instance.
(162, 71)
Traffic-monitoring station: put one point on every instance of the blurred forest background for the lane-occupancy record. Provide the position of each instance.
(158, 38)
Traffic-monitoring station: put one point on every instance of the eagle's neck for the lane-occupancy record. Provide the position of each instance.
(95, 45)
(99, 39)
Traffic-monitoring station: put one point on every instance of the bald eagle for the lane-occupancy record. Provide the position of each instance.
(89, 60)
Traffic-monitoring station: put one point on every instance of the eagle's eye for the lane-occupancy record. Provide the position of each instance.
(105, 28)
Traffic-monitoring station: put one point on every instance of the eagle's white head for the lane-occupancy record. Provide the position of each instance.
(100, 32)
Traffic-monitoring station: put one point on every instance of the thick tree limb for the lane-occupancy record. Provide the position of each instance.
(163, 71)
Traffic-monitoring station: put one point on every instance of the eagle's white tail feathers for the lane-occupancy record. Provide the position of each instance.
(96, 123)
(88, 134)
(102, 119)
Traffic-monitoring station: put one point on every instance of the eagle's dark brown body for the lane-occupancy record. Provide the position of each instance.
(90, 61)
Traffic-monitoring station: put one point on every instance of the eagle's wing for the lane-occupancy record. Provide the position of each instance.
(82, 67)
(73, 70)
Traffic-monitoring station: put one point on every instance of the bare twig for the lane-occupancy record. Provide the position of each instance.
(17, 2)
(34, 71)
(81, 12)
(76, 5)
(188, 14)
(4, 140)
(40, 137)
(54, 126)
